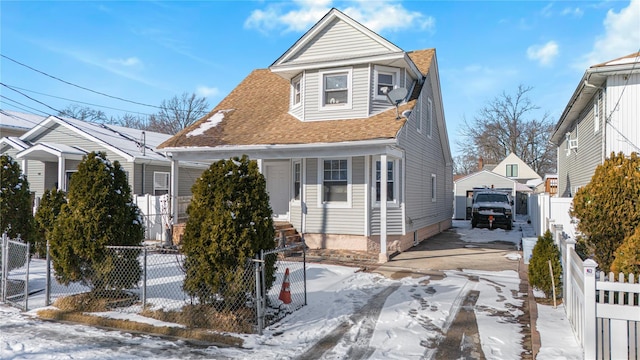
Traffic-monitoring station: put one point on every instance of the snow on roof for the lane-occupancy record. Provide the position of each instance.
(211, 122)
(15, 119)
(124, 140)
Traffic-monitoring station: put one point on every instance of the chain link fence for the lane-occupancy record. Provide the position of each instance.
(157, 283)
(289, 292)
(14, 272)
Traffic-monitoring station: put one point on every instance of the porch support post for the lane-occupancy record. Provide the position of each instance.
(383, 257)
(174, 190)
(25, 165)
(61, 173)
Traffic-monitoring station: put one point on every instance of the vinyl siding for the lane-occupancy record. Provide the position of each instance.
(378, 105)
(36, 182)
(334, 41)
(424, 156)
(328, 220)
(576, 167)
(359, 92)
(623, 127)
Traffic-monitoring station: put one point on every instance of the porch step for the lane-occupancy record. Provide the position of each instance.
(286, 230)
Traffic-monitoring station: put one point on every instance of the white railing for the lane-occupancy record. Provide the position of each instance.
(604, 313)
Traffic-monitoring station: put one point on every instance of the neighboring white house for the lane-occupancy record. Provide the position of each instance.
(50, 151)
(514, 168)
(331, 144)
(601, 117)
(14, 123)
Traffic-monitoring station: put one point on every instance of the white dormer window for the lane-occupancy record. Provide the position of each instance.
(336, 89)
(385, 79)
(296, 91)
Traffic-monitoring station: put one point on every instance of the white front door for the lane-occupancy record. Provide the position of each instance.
(278, 178)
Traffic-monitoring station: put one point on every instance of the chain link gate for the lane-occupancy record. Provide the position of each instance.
(288, 292)
(14, 272)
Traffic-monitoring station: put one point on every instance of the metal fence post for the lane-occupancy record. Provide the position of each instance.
(47, 282)
(304, 269)
(3, 277)
(26, 281)
(259, 309)
(144, 278)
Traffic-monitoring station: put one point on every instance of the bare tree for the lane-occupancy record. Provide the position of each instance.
(505, 125)
(83, 113)
(465, 164)
(178, 113)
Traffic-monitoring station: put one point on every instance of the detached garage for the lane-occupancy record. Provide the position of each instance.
(463, 191)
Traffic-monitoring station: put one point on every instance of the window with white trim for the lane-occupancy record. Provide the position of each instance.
(161, 182)
(385, 79)
(512, 170)
(335, 178)
(434, 187)
(297, 180)
(392, 176)
(336, 89)
(296, 91)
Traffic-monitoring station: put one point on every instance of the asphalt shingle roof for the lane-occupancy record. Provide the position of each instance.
(256, 113)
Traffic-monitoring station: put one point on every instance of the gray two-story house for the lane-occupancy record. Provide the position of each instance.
(601, 117)
(351, 159)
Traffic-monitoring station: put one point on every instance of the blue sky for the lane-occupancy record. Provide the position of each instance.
(150, 51)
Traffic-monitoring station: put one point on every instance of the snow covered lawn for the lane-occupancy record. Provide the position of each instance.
(412, 318)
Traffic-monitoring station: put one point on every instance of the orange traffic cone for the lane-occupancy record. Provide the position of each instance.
(285, 292)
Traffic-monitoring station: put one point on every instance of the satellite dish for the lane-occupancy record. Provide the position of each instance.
(396, 95)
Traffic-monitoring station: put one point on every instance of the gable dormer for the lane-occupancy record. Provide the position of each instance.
(340, 69)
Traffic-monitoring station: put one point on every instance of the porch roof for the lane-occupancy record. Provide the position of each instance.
(51, 152)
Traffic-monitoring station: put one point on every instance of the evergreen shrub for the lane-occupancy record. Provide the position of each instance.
(16, 214)
(230, 222)
(539, 275)
(45, 218)
(608, 207)
(99, 212)
(627, 256)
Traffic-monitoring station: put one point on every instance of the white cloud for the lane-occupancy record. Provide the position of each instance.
(131, 61)
(621, 36)
(577, 12)
(376, 15)
(205, 91)
(544, 54)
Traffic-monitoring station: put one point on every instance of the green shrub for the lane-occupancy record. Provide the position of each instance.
(627, 256)
(99, 212)
(539, 275)
(45, 218)
(16, 214)
(608, 207)
(230, 221)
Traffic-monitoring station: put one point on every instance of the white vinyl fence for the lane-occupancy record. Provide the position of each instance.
(604, 310)
(156, 214)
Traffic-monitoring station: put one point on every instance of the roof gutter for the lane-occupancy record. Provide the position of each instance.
(286, 151)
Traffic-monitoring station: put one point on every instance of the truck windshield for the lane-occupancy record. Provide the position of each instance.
(491, 198)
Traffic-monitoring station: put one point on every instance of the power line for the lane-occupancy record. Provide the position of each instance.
(77, 101)
(19, 103)
(78, 86)
(29, 97)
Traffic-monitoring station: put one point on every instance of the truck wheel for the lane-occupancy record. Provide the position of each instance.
(509, 226)
(473, 224)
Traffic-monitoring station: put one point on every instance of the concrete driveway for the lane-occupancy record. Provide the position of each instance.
(446, 251)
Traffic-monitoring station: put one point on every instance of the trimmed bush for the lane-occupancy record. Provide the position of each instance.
(608, 208)
(230, 221)
(99, 212)
(539, 275)
(627, 256)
